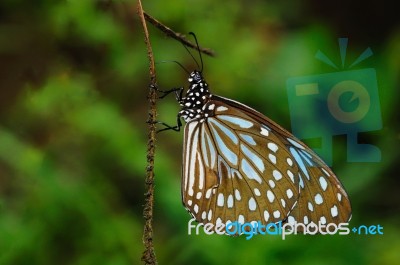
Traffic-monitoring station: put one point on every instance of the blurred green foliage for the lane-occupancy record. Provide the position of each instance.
(73, 87)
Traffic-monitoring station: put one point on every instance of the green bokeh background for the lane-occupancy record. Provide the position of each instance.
(73, 87)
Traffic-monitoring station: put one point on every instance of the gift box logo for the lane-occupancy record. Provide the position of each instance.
(339, 103)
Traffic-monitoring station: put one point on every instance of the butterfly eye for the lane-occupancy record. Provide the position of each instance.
(198, 76)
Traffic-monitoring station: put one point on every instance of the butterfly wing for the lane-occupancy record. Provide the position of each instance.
(240, 166)
(322, 196)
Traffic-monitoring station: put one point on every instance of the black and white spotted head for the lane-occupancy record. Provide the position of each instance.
(195, 98)
(195, 77)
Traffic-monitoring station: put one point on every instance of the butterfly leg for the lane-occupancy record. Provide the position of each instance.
(178, 92)
(176, 128)
(178, 95)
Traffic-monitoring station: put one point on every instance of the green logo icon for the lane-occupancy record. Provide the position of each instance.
(339, 103)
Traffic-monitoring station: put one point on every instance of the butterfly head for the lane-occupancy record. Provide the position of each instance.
(198, 93)
(195, 77)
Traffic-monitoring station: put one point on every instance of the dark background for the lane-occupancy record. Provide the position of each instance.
(73, 87)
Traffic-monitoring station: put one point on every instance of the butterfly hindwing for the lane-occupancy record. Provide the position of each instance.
(322, 199)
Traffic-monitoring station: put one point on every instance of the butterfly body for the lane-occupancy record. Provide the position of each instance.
(239, 165)
(197, 96)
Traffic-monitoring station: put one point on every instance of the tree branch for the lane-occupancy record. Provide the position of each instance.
(149, 256)
(177, 36)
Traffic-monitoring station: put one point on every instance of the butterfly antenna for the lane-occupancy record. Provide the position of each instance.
(198, 49)
(178, 63)
(191, 55)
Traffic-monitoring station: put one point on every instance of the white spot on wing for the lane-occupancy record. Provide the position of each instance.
(249, 171)
(237, 195)
(277, 214)
(228, 132)
(299, 161)
(230, 201)
(252, 204)
(272, 158)
(253, 157)
(306, 157)
(241, 219)
(291, 220)
(213, 155)
(334, 211)
(301, 183)
(277, 175)
(318, 199)
(222, 108)
(291, 176)
(323, 183)
(293, 142)
(208, 194)
(270, 196)
(273, 147)
(242, 123)
(226, 152)
(203, 215)
(266, 216)
(271, 183)
(248, 139)
(220, 201)
(264, 131)
(289, 193)
(305, 220)
(310, 206)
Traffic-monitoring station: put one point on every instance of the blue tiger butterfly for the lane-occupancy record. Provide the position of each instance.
(239, 165)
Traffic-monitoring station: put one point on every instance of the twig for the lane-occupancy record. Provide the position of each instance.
(178, 36)
(149, 256)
